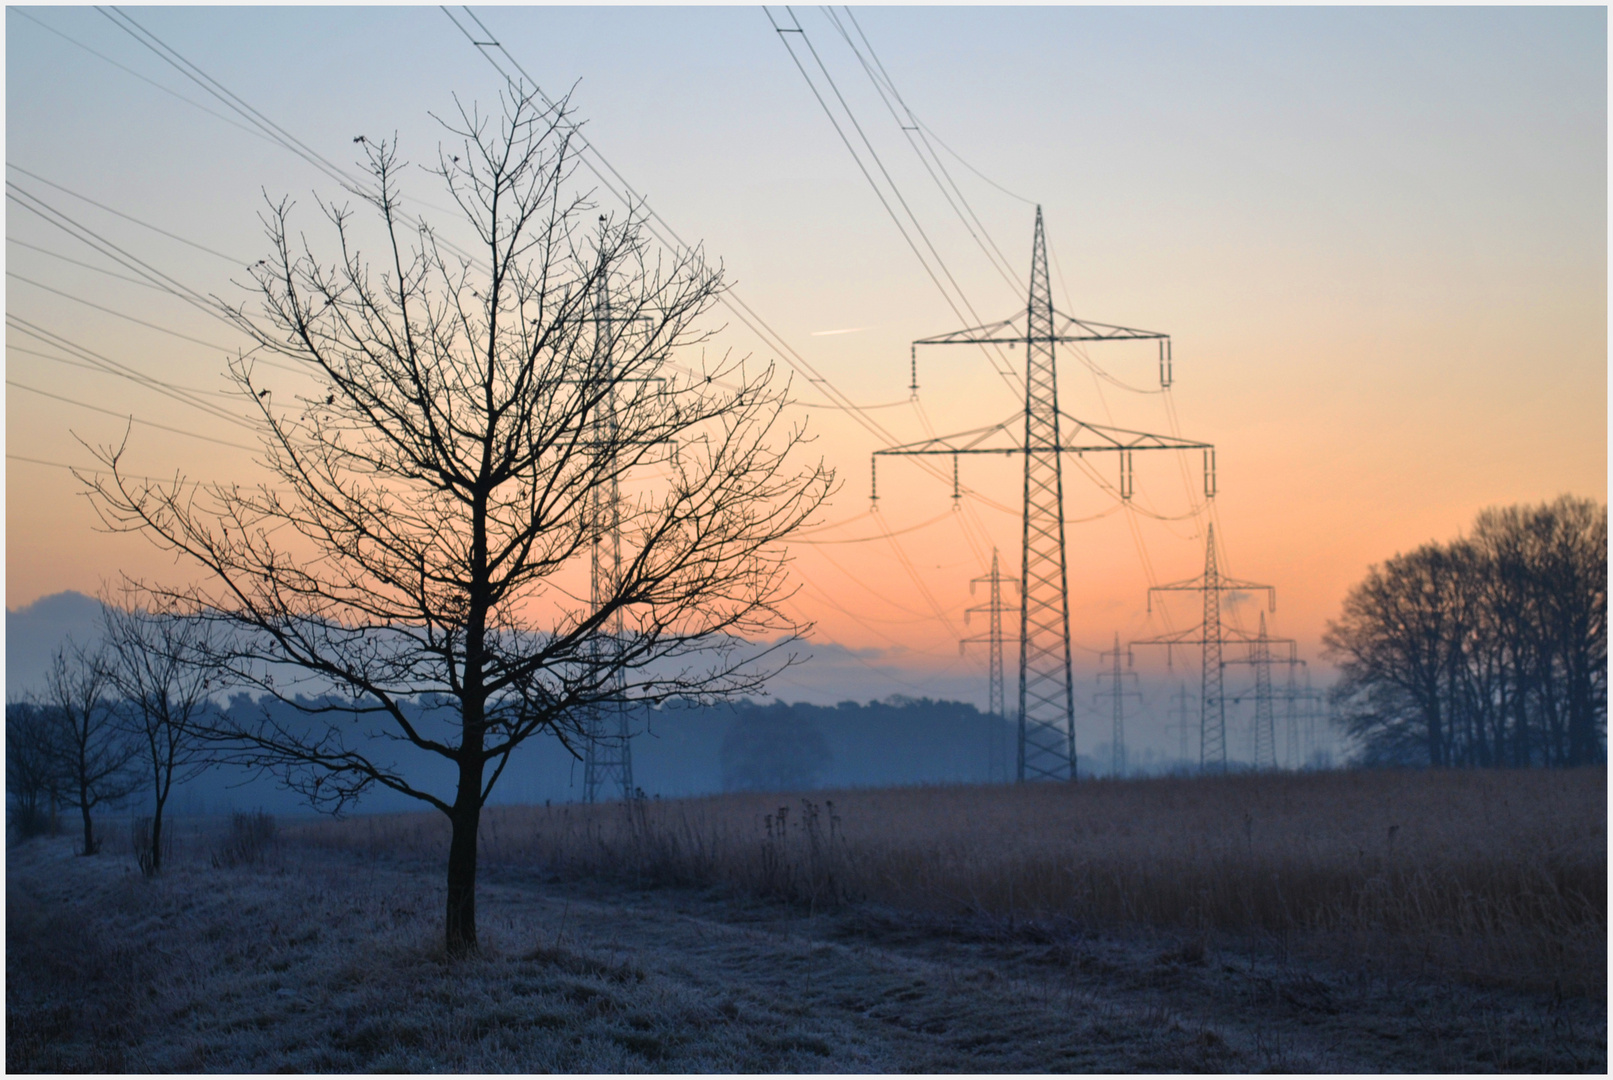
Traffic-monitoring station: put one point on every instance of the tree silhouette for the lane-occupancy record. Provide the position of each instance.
(773, 749)
(33, 766)
(430, 531)
(1490, 650)
(93, 752)
(159, 666)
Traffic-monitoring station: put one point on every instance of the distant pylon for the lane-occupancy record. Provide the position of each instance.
(1301, 721)
(1046, 682)
(996, 759)
(1118, 693)
(1210, 634)
(1179, 716)
(1264, 734)
(1213, 720)
(1294, 753)
(608, 749)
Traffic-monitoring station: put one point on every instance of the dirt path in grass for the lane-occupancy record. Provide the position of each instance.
(862, 1006)
(898, 993)
(323, 962)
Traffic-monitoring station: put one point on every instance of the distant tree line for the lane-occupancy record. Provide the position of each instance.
(1488, 651)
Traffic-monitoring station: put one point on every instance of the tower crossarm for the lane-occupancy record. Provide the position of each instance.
(1004, 439)
(1193, 635)
(1105, 437)
(1247, 640)
(1068, 329)
(998, 333)
(1223, 584)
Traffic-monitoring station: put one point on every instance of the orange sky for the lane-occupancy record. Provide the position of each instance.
(1378, 237)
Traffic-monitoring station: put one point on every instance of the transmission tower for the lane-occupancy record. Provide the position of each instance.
(1265, 731)
(1301, 721)
(996, 760)
(1211, 633)
(1265, 740)
(1118, 693)
(1042, 433)
(1179, 716)
(1295, 753)
(608, 751)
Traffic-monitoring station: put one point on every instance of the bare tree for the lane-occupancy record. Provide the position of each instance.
(95, 755)
(436, 501)
(1490, 650)
(33, 766)
(159, 665)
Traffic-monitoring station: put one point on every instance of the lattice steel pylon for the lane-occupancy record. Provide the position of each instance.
(1046, 684)
(1179, 715)
(996, 761)
(1211, 634)
(1118, 694)
(1265, 730)
(1301, 725)
(608, 750)
(1263, 735)
(1294, 754)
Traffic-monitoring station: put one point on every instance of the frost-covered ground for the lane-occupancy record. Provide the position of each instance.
(324, 961)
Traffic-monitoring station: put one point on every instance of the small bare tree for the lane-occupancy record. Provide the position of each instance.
(94, 753)
(437, 505)
(160, 666)
(33, 766)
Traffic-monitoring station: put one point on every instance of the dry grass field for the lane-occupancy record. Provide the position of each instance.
(1497, 878)
(1336, 922)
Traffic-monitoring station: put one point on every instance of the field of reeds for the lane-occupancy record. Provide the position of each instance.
(1495, 878)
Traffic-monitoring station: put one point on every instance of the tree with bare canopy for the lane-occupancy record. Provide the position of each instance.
(1488, 651)
(437, 497)
(157, 662)
(93, 755)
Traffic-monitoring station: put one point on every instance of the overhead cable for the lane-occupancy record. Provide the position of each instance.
(613, 181)
(129, 417)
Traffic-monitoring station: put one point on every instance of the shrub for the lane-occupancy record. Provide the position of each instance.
(252, 836)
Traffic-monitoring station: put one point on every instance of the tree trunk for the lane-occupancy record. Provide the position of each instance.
(465, 821)
(89, 832)
(156, 841)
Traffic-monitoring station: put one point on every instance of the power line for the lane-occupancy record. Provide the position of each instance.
(121, 19)
(104, 247)
(867, 539)
(1006, 375)
(86, 470)
(657, 226)
(130, 417)
(80, 262)
(1098, 373)
(882, 82)
(95, 360)
(101, 307)
(617, 185)
(271, 130)
(129, 217)
(145, 79)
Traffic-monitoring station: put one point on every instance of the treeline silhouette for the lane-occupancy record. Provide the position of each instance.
(680, 748)
(1489, 650)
